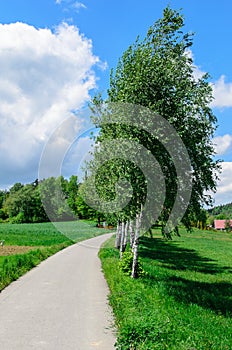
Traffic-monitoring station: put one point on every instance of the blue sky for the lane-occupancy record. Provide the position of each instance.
(45, 74)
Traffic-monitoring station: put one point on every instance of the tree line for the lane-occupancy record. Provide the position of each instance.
(45, 200)
(221, 212)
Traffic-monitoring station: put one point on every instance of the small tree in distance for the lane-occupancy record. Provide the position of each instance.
(228, 225)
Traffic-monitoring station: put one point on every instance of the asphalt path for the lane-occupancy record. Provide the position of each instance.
(60, 304)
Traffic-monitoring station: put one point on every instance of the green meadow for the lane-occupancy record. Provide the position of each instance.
(26, 245)
(184, 299)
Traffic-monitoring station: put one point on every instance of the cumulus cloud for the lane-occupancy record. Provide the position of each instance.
(44, 76)
(222, 93)
(222, 143)
(224, 188)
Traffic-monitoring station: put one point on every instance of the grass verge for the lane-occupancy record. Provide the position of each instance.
(14, 266)
(185, 300)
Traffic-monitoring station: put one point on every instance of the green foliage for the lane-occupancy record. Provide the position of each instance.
(199, 218)
(228, 226)
(16, 187)
(18, 219)
(126, 262)
(23, 204)
(72, 191)
(184, 301)
(222, 212)
(84, 211)
(158, 73)
(2, 198)
(3, 214)
(55, 199)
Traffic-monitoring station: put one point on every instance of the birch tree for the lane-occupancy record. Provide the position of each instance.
(158, 73)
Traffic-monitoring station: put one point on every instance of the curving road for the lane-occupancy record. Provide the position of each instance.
(59, 305)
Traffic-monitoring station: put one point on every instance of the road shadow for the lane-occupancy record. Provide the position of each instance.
(213, 296)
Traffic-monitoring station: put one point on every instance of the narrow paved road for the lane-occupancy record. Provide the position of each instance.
(59, 305)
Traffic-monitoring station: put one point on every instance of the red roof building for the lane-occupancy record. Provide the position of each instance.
(220, 224)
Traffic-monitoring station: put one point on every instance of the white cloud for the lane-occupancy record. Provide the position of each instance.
(222, 143)
(44, 75)
(197, 72)
(224, 189)
(78, 5)
(72, 5)
(222, 93)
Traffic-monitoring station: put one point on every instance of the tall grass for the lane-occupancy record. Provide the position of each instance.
(185, 300)
(14, 266)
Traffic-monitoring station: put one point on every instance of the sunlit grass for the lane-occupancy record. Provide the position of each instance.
(46, 240)
(47, 234)
(184, 302)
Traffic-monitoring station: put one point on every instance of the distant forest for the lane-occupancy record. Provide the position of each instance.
(60, 199)
(221, 211)
(55, 199)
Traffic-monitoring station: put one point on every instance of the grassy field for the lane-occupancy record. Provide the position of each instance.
(185, 300)
(26, 245)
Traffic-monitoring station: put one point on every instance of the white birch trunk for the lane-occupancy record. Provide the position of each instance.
(132, 233)
(126, 237)
(122, 239)
(118, 235)
(135, 249)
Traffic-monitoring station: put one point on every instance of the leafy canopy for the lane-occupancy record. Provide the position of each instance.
(158, 73)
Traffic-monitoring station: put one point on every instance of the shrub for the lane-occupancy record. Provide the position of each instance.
(126, 262)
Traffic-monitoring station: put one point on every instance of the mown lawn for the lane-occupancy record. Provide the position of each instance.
(26, 245)
(185, 300)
